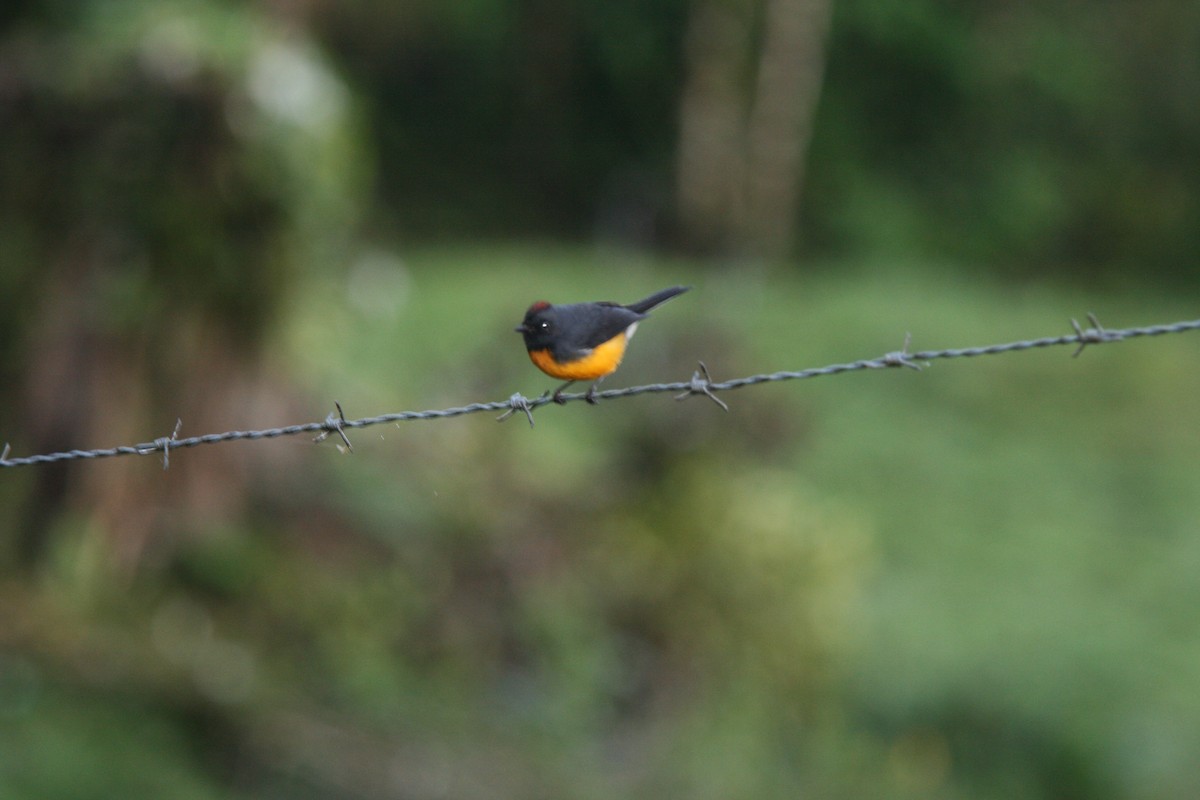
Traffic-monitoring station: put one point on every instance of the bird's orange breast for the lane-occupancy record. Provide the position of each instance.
(602, 360)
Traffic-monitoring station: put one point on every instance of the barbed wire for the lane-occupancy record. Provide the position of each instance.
(700, 384)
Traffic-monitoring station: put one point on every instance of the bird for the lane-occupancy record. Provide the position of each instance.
(584, 341)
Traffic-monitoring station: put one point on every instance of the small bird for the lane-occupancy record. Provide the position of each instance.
(584, 341)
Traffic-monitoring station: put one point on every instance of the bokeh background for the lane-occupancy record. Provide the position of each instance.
(976, 581)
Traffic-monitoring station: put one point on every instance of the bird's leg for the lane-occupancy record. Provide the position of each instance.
(591, 393)
(557, 397)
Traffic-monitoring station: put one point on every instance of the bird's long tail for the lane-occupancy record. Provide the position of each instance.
(658, 298)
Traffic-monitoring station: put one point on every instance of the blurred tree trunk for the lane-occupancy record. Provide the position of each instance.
(790, 68)
(131, 322)
(709, 170)
(743, 140)
(147, 236)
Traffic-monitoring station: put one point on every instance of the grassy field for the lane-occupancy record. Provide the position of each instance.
(993, 559)
(976, 580)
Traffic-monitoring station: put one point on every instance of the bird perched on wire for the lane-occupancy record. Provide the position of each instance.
(584, 341)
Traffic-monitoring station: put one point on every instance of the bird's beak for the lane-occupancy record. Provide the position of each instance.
(521, 329)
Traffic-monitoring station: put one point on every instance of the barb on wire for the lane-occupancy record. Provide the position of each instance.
(1093, 335)
(335, 424)
(700, 384)
(518, 402)
(161, 443)
(901, 357)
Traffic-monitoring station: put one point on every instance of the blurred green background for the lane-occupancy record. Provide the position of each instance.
(976, 581)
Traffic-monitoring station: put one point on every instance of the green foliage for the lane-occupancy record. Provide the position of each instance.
(1032, 138)
(502, 118)
(976, 581)
(1044, 137)
(157, 140)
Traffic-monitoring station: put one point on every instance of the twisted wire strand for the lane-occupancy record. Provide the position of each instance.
(700, 384)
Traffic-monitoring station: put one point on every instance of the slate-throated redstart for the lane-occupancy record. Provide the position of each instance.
(584, 341)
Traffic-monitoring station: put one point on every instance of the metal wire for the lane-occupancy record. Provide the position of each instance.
(700, 384)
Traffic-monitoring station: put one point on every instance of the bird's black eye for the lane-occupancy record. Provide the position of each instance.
(543, 325)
